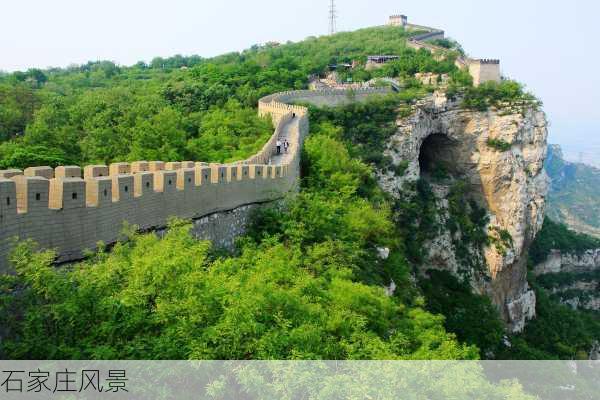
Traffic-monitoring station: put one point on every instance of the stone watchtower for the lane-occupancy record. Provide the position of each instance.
(398, 20)
(484, 70)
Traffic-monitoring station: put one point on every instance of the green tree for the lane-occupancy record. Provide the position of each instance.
(229, 133)
(155, 298)
(161, 137)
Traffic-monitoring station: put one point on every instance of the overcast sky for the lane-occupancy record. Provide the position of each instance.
(550, 45)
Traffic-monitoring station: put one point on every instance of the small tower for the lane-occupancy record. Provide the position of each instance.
(398, 20)
(484, 70)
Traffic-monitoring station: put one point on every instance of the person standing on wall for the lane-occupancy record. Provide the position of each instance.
(278, 144)
(286, 145)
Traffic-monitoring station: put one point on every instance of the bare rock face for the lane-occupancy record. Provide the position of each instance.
(568, 262)
(595, 352)
(500, 153)
(583, 290)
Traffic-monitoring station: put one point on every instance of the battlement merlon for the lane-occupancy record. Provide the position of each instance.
(71, 209)
(485, 61)
(484, 70)
(398, 20)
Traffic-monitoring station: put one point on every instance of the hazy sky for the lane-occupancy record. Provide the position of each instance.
(549, 45)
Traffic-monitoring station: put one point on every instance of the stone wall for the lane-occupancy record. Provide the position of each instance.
(223, 228)
(482, 70)
(328, 97)
(60, 209)
(429, 33)
(71, 210)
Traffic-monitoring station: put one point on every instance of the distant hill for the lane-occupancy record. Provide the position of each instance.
(588, 154)
(574, 197)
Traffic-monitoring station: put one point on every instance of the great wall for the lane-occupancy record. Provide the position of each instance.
(71, 212)
(482, 70)
(61, 210)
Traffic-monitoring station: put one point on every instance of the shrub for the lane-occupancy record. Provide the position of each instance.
(556, 236)
(471, 317)
(504, 94)
(401, 168)
(499, 144)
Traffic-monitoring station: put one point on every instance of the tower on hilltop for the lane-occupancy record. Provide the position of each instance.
(332, 17)
(398, 20)
(484, 70)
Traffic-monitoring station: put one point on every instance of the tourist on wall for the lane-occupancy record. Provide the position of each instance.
(278, 144)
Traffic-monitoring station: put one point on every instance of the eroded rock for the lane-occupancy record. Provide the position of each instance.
(509, 182)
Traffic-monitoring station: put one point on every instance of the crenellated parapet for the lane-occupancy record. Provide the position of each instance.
(71, 209)
(484, 70)
(487, 61)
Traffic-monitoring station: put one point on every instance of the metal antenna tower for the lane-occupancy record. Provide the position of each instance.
(332, 18)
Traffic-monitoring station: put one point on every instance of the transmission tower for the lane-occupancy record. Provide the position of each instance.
(332, 18)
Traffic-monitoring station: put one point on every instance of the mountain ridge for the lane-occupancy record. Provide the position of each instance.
(574, 196)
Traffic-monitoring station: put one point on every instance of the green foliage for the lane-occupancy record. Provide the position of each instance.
(401, 168)
(499, 144)
(230, 133)
(175, 108)
(574, 196)
(561, 279)
(367, 125)
(416, 218)
(558, 332)
(501, 239)
(448, 44)
(294, 295)
(263, 304)
(467, 223)
(17, 155)
(459, 79)
(17, 105)
(556, 236)
(507, 94)
(471, 317)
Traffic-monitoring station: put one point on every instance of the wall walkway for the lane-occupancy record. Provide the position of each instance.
(482, 70)
(71, 212)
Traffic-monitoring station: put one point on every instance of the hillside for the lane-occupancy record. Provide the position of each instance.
(574, 196)
(308, 291)
(171, 109)
(338, 271)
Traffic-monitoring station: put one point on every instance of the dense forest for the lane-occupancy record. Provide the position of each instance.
(307, 280)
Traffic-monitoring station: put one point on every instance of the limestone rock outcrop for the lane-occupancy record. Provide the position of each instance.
(500, 153)
(581, 288)
(558, 261)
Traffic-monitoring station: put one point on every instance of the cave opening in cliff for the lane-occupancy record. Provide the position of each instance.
(438, 157)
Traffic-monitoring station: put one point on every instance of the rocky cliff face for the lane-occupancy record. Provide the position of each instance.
(557, 262)
(500, 153)
(572, 278)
